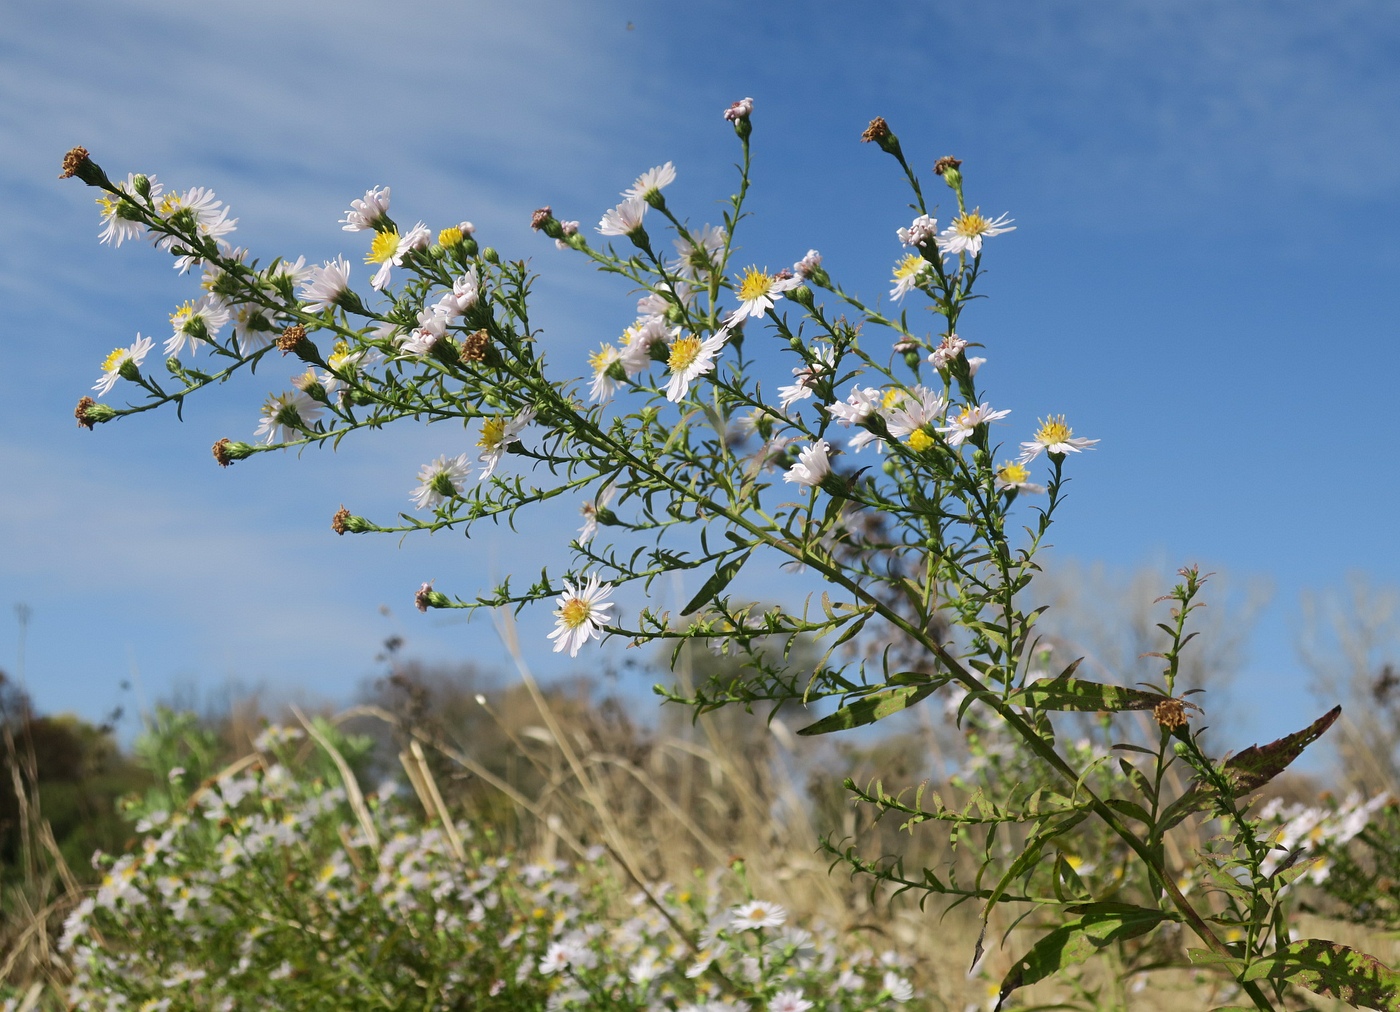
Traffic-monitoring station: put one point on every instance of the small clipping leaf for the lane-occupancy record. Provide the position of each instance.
(718, 580)
(869, 709)
(1100, 925)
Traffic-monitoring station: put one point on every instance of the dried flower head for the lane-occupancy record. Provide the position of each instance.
(73, 161)
(475, 345)
(339, 522)
(877, 131)
(1170, 713)
(542, 215)
(945, 163)
(81, 411)
(221, 452)
(291, 337)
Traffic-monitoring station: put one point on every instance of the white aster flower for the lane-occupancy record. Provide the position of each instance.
(690, 358)
(964, 424)
(324, 286)
(652, 304)
(899, 989)
(583, 610)
(637, 341)
(1053, 436)
(441, 480)
(965, 233)
(497, 434)
(252, 328)
(788, 1001)
(857, 406)
(757, 914)
(590, 509)
(805, 376)
(389, 248)
(286, 415)
(741, 109)
(652, 181)
(805, 267)
(698, 252)
(1012, 476)
(120, 358)
(907, 274)
(604, 382)
(914, 409)
(196, 322)
(466, 292)
(758, 291)
(948, 349)
(813, 464)
(118, 222)
(367, 212)
(194, 211)
(432, 326)
(625, 218)
(920, 231)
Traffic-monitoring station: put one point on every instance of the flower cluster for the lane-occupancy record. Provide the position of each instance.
(264, 891)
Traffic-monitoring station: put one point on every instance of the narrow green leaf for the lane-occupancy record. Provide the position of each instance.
(869, 709)
(718, 580)
(1100, 925)
(1066, 693)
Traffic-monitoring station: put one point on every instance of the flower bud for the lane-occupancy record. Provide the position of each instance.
(947, 167)
(888, 467)
(141, 183)
(912, 359)
(795, 343)
(738, 113)
(490, 255)
(803, 296)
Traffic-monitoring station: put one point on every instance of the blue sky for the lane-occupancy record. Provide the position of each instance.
(1205, 197)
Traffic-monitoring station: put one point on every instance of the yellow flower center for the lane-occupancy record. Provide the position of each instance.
(339, 354)
(493, 430)
(909, 266)
(575, 612)
(602, 358)
(112, 361)
(919, 440)
(684, 353)
(108, 205)
(383, 248)
(970, 224)
(892, 399)
(450, 236)
(1053, 430)
(1013, 473)
(183, 313)
(755, 285)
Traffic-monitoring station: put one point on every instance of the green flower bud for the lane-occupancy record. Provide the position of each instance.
(803, 296)
(141, 183)
(911, 359)
(490, 255)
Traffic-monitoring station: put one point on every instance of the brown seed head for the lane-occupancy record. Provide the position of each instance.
(538, 219)
(73, 161)
(81, 411)
(291, 337)
(1170, 713)
(945, 163)
(338, 522)
(475, 345)
(878, 130)
(221, 452)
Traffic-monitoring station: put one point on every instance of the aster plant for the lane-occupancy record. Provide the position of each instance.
(877, 476)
